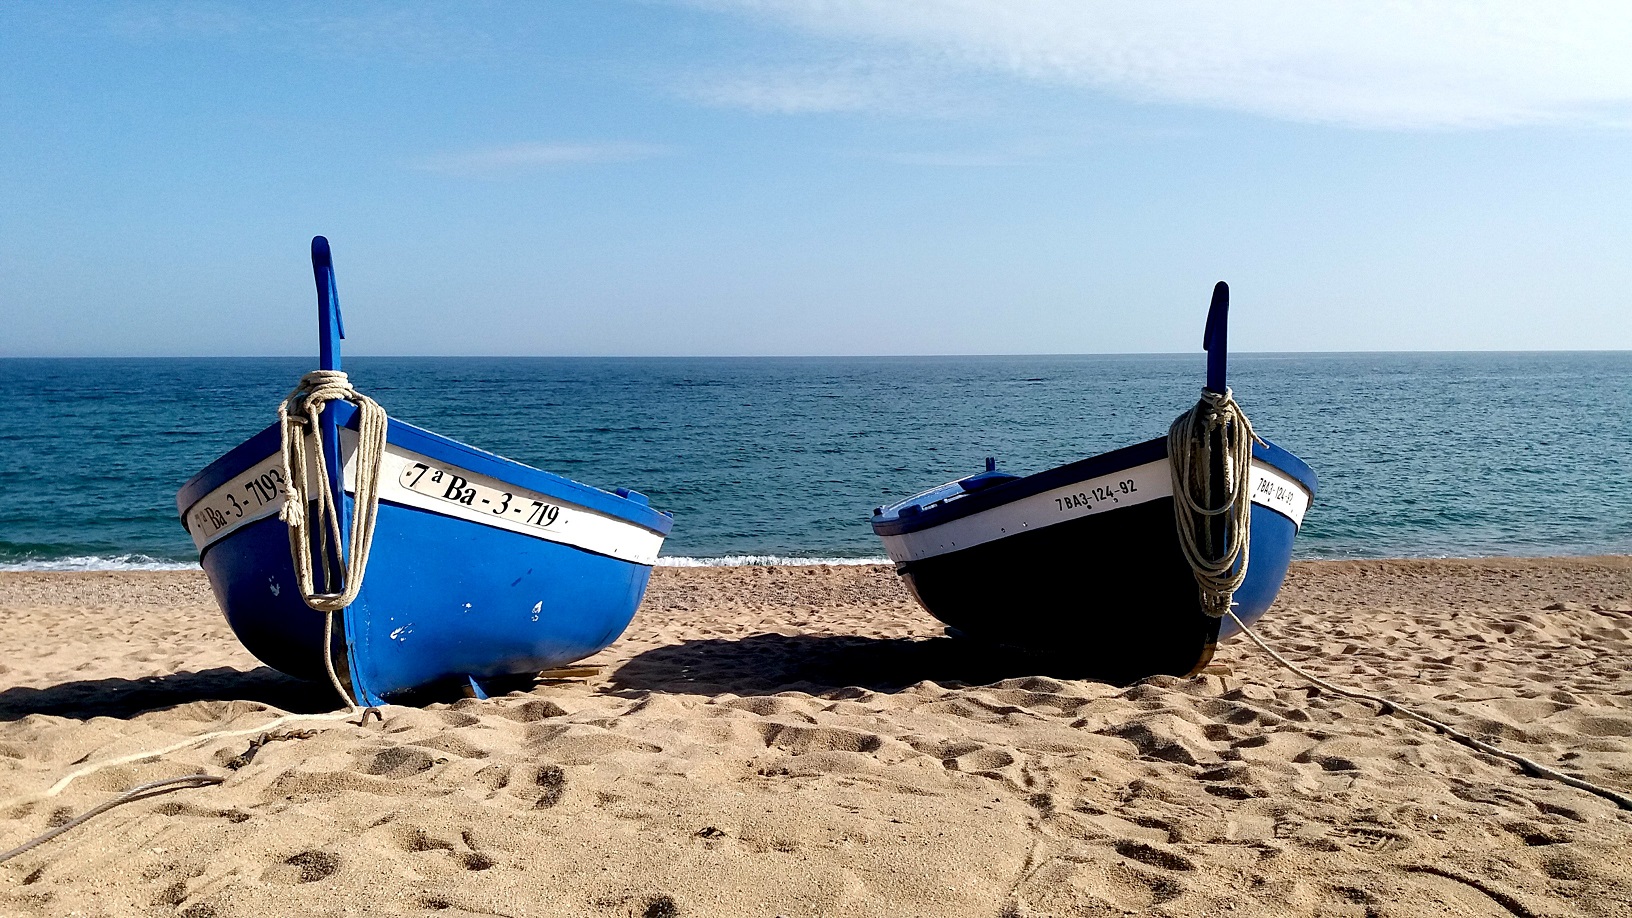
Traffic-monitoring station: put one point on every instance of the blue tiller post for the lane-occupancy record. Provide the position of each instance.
(1215, 340)
(330, 329)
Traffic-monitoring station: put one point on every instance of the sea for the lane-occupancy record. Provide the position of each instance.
(781, 460)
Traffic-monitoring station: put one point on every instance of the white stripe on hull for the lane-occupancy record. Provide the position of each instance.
(236, 504)
(413, 480)
(1126, 488)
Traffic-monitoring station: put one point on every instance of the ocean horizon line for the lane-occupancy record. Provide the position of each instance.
(926, 356)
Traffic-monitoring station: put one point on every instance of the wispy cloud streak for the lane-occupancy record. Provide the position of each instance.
(355, 30)
(1367, 63)
(519, 158)
(793, 91)
(842, 85)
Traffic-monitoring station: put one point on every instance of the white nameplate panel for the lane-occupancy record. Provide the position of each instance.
(416, 481)
(1279, 492)
(252, 495)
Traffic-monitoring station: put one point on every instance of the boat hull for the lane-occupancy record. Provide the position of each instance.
(1083, 563)
(467, 580)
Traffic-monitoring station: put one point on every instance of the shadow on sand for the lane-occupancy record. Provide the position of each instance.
(127, 698)
(764, 664)
(760, 664)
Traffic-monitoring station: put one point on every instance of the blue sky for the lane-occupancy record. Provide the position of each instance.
(815, 176)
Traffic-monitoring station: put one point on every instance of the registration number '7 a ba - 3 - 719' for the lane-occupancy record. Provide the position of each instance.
(456, 489)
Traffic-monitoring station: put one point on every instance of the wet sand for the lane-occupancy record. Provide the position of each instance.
(802, 741)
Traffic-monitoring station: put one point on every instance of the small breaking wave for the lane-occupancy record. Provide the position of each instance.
(98, 563)
(764, 561)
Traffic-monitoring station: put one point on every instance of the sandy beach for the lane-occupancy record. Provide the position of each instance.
(802, 741)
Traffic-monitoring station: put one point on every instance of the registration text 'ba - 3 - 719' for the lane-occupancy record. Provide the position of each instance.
(456, 489)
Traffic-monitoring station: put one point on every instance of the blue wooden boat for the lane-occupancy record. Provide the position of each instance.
(480, 567)
(1086, 562)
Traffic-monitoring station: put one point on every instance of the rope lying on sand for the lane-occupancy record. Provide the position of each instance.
(1391, 707)
(139, 792)
(298, 421)
(152, 788)
(1220, 570)
(73, 776)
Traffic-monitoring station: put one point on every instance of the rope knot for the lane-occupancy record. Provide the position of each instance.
(306, 475)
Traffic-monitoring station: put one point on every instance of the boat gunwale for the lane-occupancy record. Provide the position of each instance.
(429, 443)
(891, 523)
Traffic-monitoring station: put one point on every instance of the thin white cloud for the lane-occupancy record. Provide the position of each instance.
(1367, 63)
(353, 30)
(1029, 150)
(825, 85)
(959, 159)
(518, 158)
(795, 91)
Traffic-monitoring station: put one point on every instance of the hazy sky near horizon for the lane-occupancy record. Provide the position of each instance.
(718, 177)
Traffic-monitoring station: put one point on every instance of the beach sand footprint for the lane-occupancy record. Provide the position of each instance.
(311, 866)
(551, 781)
(399, 762)
(1021, 796)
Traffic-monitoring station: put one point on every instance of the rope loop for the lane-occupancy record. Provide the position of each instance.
(306, 474)
(1216, 424)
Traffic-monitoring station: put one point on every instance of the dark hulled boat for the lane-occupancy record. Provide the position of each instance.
(1087, 562)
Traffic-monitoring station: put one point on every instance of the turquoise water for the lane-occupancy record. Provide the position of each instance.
(1423, 455)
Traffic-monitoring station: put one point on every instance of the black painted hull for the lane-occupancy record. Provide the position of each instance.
(1110, 595)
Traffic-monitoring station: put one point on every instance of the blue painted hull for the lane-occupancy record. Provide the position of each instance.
(444, 599)
(1271, 540)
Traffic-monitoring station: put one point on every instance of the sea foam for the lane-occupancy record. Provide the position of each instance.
(764, 561)
(96, 563)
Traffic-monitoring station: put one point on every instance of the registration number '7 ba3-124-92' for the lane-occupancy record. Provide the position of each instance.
(456, 489)
(1112, 491)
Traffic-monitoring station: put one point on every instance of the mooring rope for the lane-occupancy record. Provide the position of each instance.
(1219, 569)
(71, 777)
(140, 792)
(154, 787)
(298, 420)
(1392, 707)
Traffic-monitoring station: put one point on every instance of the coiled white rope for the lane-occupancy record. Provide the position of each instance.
(298, 417)
(1219, 569)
